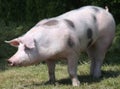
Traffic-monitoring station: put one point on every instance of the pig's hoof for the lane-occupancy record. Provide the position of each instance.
(76, 83)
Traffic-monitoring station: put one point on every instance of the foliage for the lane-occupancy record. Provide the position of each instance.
(10, 32)
(35, 10)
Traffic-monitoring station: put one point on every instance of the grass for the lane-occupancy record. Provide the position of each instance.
(35, 77)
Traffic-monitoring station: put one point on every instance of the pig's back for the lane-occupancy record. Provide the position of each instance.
(90, 17)
(82, 13)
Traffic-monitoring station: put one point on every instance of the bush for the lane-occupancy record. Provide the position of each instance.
(34, 10)
(10, 32)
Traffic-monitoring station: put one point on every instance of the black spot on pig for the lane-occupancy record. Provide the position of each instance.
(89, 36)
(89, 33)
(95, 9)
(94, 18)
(51, 23)
(70, 23)
(70, 42)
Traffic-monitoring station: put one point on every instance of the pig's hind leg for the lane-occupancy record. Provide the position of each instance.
(97, 54)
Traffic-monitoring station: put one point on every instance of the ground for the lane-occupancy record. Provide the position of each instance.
(35, 77)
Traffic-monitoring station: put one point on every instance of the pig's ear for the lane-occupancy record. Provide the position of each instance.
(14, 42)
(30, 45)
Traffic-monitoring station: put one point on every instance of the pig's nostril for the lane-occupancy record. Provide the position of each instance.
(9, 62)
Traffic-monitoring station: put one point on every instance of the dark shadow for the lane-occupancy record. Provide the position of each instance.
(37, 84)
(82, 78)
(89, 79)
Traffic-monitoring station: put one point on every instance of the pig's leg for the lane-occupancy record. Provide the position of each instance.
(96, 62)
(97, 55)
(72, 69)
(51, 71)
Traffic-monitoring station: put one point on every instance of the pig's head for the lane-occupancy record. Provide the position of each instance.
(25, 55)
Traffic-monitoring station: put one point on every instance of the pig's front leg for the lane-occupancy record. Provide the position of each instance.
(51, 71)
(72, 69)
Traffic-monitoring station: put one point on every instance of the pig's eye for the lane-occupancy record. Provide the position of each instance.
(27, 48)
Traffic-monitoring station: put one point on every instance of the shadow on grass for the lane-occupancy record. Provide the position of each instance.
(89, 79)
(83, 79)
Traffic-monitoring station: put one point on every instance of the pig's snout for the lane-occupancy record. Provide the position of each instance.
(10, 63)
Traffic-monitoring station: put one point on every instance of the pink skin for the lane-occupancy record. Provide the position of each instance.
(23, 55)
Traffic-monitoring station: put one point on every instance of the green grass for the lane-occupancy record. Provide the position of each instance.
(34, 77)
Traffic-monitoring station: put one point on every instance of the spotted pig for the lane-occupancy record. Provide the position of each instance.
(88, 29)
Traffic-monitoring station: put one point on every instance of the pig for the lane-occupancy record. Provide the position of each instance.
(89, 29)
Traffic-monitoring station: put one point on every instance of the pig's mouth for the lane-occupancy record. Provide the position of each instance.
(10, 63)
